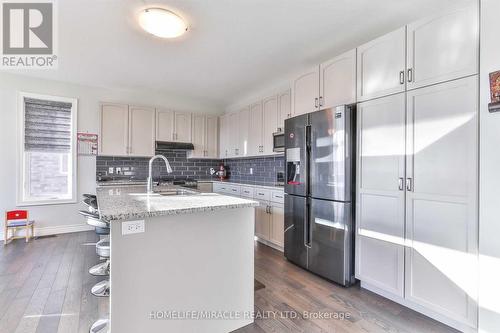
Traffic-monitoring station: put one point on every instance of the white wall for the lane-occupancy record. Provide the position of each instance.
(57, 218)
(489, 201)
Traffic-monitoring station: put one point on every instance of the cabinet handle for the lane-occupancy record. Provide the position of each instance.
(320, 100)
(316, 102)
(409, 184)
(410, 74)
(400, 184)
(402, 77)
(270, 209)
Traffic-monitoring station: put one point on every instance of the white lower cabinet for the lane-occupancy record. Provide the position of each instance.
(262, 221)
(416, 237)
(269, 215)
(276, 233)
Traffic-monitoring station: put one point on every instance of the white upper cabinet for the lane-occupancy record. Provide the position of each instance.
(141, 131)
(338, 80)
(199, 135)
(114, 128)
(305, 95)
(164, 125)
(284, 108)
(234, 135)
(212, 142)
(255, 146)
(224, 147)
(204, 136)
(443, 47)
(127, 130)
(242, 128)
(381, 66)
(182, 127)
(269, 123)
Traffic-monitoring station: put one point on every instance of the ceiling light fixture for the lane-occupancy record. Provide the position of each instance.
(162, 23)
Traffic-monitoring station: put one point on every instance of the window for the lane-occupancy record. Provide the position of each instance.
(47, 168)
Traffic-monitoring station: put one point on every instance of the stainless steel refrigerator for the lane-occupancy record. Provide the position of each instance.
(319, 183)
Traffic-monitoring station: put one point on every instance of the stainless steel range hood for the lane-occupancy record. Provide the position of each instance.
(169, 145)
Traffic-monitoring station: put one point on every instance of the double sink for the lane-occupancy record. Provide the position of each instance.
(173, 191)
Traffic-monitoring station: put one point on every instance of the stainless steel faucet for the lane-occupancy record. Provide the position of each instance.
(150, 174)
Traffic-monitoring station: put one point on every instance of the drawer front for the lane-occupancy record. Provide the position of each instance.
(261, 194)
(220, 188)
(233, 190)
(247, 192)
(278, 196)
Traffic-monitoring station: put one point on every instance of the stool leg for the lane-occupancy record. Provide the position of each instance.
(33, 230)
(27, 232)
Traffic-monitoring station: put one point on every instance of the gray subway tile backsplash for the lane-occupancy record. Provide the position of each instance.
(262, 170)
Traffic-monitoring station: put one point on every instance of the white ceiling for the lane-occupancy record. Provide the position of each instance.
(233, 47)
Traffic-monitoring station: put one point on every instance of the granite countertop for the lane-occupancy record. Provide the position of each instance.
(119, 203)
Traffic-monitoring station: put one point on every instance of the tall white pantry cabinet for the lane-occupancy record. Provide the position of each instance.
(416, 209)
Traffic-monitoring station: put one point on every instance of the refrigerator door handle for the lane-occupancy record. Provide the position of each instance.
(307, 225)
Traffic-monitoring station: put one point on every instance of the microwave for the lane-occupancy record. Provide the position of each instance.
(279, 142)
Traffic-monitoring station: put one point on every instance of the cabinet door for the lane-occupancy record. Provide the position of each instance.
(114, 130)
(381, 66)
(224, 136)
(338, 80)
(443, 47)
(269, 123)
(262, 221)
(284, 107)
(305, 94)
(242, 135)
(141, 131)
(234, 136)
(255, 130)
(380, 220)
(164, 125)
(182, 127)
(441, 211)
(277, 235)
(212, 142)
(198, 135)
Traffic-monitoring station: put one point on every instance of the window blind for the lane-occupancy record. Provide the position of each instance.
(47, 125)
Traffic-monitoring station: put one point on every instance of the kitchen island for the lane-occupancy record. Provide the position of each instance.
(186, 265)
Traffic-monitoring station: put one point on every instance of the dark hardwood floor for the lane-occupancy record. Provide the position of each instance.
(45, 288)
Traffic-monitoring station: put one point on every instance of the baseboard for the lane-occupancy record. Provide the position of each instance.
(54, 230)
(416, 307)
(270, 244)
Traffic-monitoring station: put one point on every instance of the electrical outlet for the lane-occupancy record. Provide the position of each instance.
(133, 227)
(251, 171)
(118, 170)
(111, 170)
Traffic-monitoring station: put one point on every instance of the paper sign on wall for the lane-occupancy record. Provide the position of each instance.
(87, 143)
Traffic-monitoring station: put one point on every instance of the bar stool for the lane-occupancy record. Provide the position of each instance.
(103, 251)
(100, 326)
(101, 289)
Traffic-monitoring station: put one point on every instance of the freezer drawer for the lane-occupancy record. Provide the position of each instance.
(295, 231)
(331, 153)
(331, 250)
